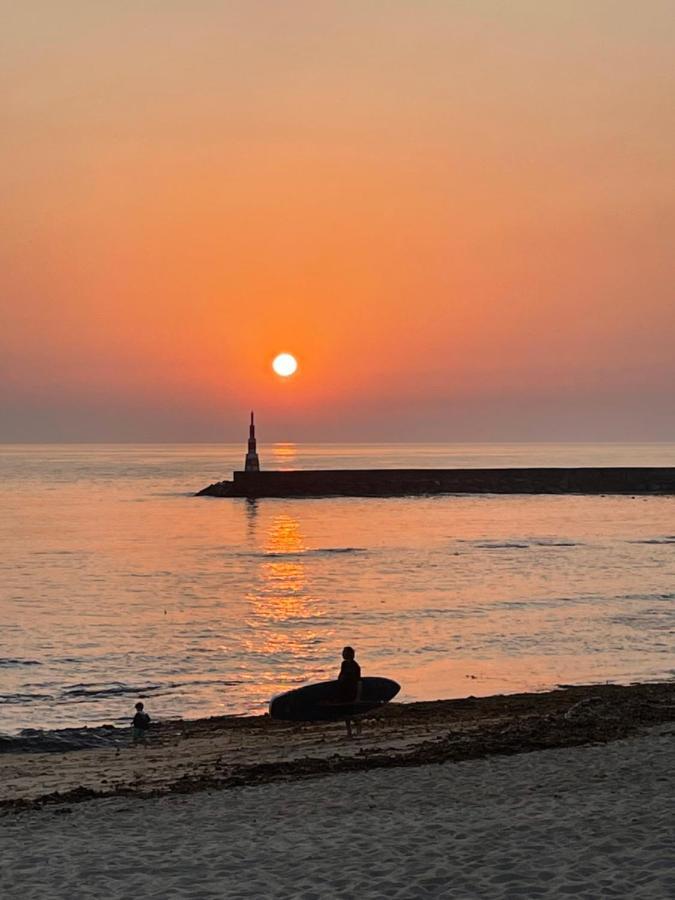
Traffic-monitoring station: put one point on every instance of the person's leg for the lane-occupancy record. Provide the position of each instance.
(359, 691)
(349, 727)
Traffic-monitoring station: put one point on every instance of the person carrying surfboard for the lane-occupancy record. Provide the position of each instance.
(349, 684)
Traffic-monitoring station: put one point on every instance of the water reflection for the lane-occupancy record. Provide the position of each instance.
(285, 611)
(251, 508)
(284, 456)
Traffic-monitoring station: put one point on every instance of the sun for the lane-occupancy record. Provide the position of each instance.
(285, 364)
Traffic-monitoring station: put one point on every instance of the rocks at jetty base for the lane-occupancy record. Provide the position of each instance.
(219, 489)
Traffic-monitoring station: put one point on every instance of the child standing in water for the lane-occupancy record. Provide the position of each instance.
(349, 684)
(140, 725)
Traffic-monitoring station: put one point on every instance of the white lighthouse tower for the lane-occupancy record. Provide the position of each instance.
(252, 463)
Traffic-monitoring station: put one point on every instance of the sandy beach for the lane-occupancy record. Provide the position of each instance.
(436, 799)
(594, 821)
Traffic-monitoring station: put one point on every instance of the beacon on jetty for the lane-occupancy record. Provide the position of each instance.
(252, 463)
(253, 483)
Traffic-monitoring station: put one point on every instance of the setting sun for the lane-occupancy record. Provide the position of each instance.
(285, 364)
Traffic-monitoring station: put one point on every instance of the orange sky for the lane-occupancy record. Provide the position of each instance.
(459, 216)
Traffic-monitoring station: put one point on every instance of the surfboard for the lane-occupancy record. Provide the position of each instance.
(321, 702)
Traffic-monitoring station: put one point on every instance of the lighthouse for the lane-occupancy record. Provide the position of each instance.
(252, 463)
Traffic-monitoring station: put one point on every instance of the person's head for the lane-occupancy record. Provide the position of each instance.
(139, 706)
(348, 653)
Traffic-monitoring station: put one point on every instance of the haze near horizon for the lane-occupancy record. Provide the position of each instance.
(457, 217)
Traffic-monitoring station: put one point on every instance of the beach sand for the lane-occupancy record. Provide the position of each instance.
(593, 821)
(565, 793)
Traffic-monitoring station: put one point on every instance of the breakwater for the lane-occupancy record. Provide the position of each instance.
(408, 482)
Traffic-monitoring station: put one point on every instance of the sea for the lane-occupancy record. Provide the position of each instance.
(117, 583)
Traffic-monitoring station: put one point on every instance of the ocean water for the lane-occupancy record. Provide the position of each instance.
(117, 583)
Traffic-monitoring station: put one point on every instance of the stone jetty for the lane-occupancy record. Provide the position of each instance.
(410, 482)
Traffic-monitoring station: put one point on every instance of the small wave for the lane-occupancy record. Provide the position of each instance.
(669, 539)
(57, 552)
(7, 699)
(542, 542)
(339, 550)
(299, 554)
(160, 574)
(109, 690)
(201, 681)
(116, 689)
(318, 551)
(296, 554)
(540, 603)
(377, 617)
(518, 544)
(506, 545)
(7, 663)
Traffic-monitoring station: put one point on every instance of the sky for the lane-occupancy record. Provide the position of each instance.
(457, 214)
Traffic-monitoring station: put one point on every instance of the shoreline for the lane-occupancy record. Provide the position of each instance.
(186, 757)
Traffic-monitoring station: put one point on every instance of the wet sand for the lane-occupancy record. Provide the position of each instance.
(229, 752)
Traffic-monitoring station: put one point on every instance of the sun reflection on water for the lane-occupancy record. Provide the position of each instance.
(283, 456)
(283, 606)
